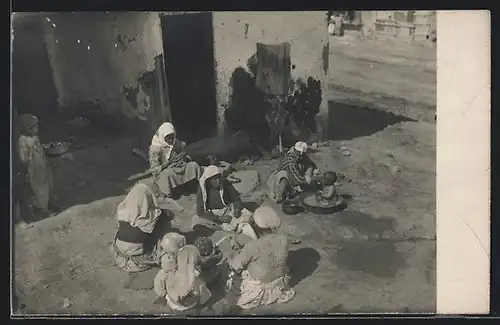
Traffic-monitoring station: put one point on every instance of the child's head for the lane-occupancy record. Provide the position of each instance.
(204, 245)
(168, 262)
(172, 242)
(329, 178)
(28, 124)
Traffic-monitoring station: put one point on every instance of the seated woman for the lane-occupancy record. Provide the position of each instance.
(294, 172)
(183, 287)
(133, 246)
(174, 166)
(262, 264)
(219, 205)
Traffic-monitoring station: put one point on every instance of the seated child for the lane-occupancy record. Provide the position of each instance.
(170, 244)
(185, 289)
(327, 192)
(210, 256)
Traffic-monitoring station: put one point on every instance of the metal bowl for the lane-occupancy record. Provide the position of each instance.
(57, 151)
(337, 206)
(291, 207)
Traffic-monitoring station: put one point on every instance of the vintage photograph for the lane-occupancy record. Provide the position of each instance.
(223, 163)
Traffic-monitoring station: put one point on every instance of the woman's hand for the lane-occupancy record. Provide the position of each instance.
(308, 179)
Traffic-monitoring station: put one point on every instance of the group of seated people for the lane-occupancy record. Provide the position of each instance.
(258, 252)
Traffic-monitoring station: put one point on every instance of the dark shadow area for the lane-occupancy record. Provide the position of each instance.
(247, 107)
(364, 223)
(33, 89)
(348, 122)
(251, 206)
(352, 27)
(380, 259)
(347, 197)
(163, 225)
(189, 64)
(302, 263)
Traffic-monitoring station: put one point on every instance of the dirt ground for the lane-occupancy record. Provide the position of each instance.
(376, 256)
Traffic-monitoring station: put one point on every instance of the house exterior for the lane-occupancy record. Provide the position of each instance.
(97, 57)
(236, 36)
(102, 59)
(406, 24)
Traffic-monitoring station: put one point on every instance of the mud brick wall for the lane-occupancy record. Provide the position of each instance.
(98, 59)
(236, 36)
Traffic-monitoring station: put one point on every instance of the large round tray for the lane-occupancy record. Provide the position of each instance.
(316, 209)
(57, 151)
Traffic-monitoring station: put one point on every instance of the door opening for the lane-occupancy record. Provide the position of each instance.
(189, 65)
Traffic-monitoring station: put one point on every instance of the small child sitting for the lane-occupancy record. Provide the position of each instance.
(327, 192)
(170, 244)
(210, 256)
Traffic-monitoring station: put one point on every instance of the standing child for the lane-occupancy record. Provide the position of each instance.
(35, 171)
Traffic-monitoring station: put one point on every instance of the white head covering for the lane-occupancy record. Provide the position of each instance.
(183, 279)
(171, 243)
(266, 218)
(300, 147)
(209, 172)
(139, 208)
(159, 137)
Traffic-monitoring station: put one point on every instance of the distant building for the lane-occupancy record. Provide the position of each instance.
(410, 24)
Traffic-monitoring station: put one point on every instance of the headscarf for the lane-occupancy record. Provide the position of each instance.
(159, 137)
(183, 279)
(171, 243)
(266, 217)
(139, 208)
(209, 172)
(26, 121)
(300, 147)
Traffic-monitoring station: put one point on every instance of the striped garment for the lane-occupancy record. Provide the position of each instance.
(291, 163)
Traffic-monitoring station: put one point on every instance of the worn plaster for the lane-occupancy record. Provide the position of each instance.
(236, 36)
(96, 56)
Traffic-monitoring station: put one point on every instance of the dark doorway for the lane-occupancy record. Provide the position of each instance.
(33, 89)
(189, 63)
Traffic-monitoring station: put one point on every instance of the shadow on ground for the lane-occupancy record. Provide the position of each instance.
(302, 263)
(97, 165)
(348, 122)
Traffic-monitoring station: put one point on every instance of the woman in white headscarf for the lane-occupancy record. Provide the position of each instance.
(137, 216)
(262, 264)
(167, 151)
(293, 173)
(219, 205)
